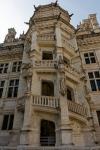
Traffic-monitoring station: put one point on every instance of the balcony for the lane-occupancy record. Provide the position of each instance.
(45, 63)
(77, 108)
(46, 102)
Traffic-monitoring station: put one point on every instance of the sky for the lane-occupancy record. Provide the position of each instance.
(13, 13)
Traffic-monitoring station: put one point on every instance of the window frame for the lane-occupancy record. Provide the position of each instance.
(8, 123)
(4, 68)
(90, 58)
(2, 87)
(17, 66)
(13, 87)
(94, 79)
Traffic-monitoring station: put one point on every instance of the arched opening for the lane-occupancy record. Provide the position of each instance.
(47, 133)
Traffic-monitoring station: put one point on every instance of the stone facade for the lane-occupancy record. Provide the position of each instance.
(50, 83)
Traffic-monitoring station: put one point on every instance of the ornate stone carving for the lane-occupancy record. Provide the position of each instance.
(62, 86)
(27, 74)
(10, 37)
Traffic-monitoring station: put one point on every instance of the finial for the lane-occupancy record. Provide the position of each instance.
(56, 2)
(71, 15)
(35, 7)
(26, 23)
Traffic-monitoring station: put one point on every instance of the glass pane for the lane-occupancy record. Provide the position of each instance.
(93, 85)
(1, 70)
(97, 74)
(10, 92)
(91, 54)
(11, 119)
(5, 122)
(86, 55)
(11, 82)
(14, 69)
(93, 60)
(19, 67)
(20, 62)
(1, 91)
(90, 74)
(6, 65)
(5, 70)
(15, 63)
(87, 60)
(15, 91)
(17, 82)
(1, 65)
(2, 83)
(98, 83)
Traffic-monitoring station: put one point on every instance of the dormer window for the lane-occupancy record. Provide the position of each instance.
(47, 55)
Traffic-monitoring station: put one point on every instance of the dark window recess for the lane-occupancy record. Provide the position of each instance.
(90, 75)
(66, 61)
(93, 85)
(89, 58)
(8, 122)
(1, 88)
(69, 94)
(47, 88)
(47, 133)
(47, 56)
(13, 88)
(98, 115)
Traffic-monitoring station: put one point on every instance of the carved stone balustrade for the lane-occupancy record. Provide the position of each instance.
(46, 101)
(45, 63)
(72, 70)
(46, 37)
(77, 108)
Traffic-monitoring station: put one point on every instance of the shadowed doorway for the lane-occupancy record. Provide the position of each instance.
(47, 133)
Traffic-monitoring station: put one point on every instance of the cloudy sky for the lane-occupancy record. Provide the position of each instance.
(13, 13)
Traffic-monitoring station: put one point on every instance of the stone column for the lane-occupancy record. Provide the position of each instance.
(58, 36)
(66, 131)
(34, 45)
(65, 128)
(25, 138)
